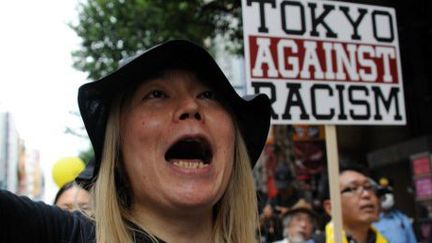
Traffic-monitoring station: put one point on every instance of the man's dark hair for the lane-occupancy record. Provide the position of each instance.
(324, 187)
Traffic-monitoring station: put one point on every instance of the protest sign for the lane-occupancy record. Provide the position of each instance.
(324, 62)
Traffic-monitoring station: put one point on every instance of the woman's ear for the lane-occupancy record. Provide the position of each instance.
(327, 206)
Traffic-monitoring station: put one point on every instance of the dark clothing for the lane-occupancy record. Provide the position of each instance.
(271, 229)
(321, 238)
(24, 220)
(286, 200)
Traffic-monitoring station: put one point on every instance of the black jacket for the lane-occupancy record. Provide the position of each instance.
(23, 220)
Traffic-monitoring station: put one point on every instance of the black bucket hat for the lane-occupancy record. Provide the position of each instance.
(252, 113)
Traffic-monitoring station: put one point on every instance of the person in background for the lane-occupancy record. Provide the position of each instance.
(271, 228)
(393, 224)
(72, 197)
(299, 223)
(360, 207)
(288, 193)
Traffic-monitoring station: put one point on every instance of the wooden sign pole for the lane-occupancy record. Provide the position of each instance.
(333, 174)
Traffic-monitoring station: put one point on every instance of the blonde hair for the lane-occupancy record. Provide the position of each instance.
(235, 215)
(109, 215)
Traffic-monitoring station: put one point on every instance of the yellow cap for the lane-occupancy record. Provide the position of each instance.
(384, 182)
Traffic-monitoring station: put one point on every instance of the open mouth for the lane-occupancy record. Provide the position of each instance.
(190, 153)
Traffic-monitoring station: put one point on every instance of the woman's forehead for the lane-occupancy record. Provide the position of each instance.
(175, 75)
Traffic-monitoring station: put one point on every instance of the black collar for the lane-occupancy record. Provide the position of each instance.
(371, 237)
(141, 236)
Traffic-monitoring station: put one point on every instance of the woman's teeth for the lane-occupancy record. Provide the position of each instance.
(190, 165)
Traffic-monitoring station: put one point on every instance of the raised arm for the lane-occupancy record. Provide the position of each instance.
(24, 220)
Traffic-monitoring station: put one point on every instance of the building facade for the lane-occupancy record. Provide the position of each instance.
(9, 147)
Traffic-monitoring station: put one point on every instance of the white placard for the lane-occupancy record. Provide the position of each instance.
(324, 62)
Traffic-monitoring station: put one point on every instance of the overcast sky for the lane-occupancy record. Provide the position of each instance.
(38, 84)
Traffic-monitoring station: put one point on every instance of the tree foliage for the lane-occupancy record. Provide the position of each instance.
(114, 29)
(86, 155)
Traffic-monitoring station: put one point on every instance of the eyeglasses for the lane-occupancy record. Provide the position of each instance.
(358, 190)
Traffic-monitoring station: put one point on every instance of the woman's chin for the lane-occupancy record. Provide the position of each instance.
(193, 200)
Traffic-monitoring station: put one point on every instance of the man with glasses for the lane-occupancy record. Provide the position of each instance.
(360, 207)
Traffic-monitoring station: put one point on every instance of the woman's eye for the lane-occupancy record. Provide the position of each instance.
(208, 95)
(155, 94)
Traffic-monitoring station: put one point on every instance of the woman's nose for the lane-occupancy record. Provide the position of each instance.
(187, 115)
(188, 109)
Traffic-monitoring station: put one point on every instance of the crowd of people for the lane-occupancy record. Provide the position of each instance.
(368, 212)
